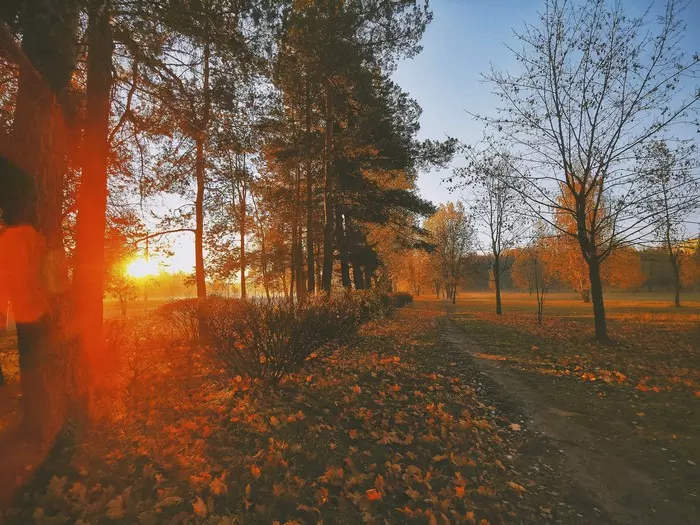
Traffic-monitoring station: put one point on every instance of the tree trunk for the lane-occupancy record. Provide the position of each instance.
(92, 199)
(200, 169)
(497, 284)
(38, 146)
(357, 275)
(328, 207)
(601, 330)
(342, 250)
(676, 278)
(296, 247)
(242, 194)
(310, 261)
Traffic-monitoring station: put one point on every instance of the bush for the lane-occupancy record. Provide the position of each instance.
(213, 314)
(271, 339)
(401, 299)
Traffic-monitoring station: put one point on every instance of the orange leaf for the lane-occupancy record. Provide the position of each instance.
(373, 494)
(200, 508)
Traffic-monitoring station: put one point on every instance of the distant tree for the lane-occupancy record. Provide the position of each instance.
(690, 267)
(535, 266)
(674, 193)
(595, 85)
(452, 232)
(496, 207)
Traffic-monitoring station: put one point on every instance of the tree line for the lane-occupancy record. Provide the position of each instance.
(269, 131)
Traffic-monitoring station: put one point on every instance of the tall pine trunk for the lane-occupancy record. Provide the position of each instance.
(342, 250)
(310, 260)
(92, 199)
(298, 253)
(242, 197)
(328, 197)
(200, 173)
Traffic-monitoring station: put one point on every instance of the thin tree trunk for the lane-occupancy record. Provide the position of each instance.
(310, 261)
(497, 284)
(297, 249)
(200, 169)
(676, 278)
(342, 250)
(328, 198)
(92, 199)
(242, 194)
(357, 275)
(601, 330)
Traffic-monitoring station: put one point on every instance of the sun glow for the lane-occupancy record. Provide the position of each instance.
(142, 268)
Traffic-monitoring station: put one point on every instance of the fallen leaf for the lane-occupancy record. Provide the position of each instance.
(373, 494)
(200, 508)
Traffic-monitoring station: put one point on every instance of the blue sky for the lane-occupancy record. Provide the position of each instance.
(464, 38)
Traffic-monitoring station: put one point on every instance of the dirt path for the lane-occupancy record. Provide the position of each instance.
(626, 494)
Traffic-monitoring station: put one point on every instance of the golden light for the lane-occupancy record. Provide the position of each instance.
(142, 268)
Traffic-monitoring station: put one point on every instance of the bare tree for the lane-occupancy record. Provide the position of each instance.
(673, 191)
(496, 206)
(594, 86)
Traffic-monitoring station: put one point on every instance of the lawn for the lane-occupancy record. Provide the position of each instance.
(639, 394)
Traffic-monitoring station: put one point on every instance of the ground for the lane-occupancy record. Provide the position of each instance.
(439, 414)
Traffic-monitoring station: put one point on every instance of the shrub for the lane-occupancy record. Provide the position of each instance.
(401, 299)
(213, 314)
(271, 339)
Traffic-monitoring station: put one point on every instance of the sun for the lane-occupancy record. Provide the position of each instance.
(142, 268)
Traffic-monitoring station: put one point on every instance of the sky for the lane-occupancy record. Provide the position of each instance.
(463, 40)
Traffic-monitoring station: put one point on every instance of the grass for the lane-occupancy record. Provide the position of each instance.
(639, 394)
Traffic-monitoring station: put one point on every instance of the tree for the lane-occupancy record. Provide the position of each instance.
(92, 196)
(453, 234)
(595, 85)
(535, 267)
(38, 145)
(496, 207)
(674, 193)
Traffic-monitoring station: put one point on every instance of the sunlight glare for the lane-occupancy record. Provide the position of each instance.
(142, 268)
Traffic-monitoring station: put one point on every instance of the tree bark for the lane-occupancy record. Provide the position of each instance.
(601, 330)
(38, 146)
(92, 199)
(200, 169)
(310, 260)
(357, 276)
(676, 278)
(497, 284)
(342, 250)
(328, 198)
(242, 194)
(298, 253)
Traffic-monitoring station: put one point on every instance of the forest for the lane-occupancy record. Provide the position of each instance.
(225, 298)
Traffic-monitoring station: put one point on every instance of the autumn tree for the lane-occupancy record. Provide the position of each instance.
(452, 232)
(595, 85)
(674, 193)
